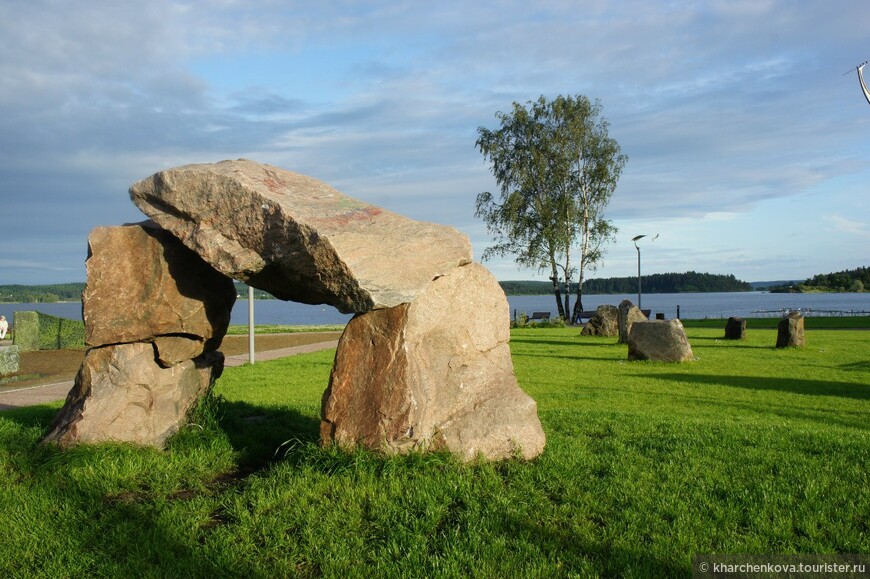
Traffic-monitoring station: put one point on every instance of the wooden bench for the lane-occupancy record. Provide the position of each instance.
(540, 316)
(586, 315)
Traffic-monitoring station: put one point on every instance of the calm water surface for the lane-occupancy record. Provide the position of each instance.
(692, 306)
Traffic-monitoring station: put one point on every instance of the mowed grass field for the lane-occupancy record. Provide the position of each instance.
(746, 449)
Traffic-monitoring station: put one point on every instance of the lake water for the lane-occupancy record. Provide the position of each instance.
(692, 306)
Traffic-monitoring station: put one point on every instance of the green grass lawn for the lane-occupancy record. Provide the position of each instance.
(240, 329)
(747, 449)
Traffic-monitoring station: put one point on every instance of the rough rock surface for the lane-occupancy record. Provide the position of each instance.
(10, 359)
(790, 332)
(122, 394)
(297, 237)
(663, 341)
(435, 373)
(143, 283)
(628, 314)
(605, 322)
(735, 329)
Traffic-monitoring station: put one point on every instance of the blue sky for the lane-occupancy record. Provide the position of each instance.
(749, 150)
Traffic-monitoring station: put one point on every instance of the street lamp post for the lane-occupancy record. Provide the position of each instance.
(634, 239)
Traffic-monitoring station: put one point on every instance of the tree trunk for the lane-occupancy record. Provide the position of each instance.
(567, 302)
(558, 293)
(578, 305)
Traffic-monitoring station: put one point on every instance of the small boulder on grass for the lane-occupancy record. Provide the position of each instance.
(662, 341)
(735, 329)
(790, 332)
(605, 322)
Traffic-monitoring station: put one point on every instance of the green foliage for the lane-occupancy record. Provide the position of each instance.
(10, 360)
(556, 168)
(73, 292)
(42, 293)
(850, 280)
(25, 331)
(38, 331)
(664, 283)
(748, 449)
(242, 292)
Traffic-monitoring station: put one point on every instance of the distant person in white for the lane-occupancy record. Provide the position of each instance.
(4, 327)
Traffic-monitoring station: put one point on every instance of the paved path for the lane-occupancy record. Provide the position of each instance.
(45, 393)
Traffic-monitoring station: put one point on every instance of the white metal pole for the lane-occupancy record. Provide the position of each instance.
(638, 276)
(250, 324)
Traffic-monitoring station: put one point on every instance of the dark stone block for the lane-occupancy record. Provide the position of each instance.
(735, 329)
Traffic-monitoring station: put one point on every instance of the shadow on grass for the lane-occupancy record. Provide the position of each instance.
(256, 433)
(722, 342)
(40, 415)
(259, 433)
(863, 366)
(565, 343)
(854, 390)
(558, 357)
(617, 562)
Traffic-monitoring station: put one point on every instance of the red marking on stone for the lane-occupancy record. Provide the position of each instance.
(273, 182)
(361, 214)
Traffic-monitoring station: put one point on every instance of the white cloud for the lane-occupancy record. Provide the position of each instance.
(721, 107)
(844, 225)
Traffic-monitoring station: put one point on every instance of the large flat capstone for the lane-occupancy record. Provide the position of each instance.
(298, 238)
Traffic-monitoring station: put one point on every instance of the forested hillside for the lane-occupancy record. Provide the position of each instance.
(850, 280)
(41, 293)
(665, 283)
(70, 292)
(668, 283)
(656, 283)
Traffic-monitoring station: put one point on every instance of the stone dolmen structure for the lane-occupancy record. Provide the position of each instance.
(424, 364)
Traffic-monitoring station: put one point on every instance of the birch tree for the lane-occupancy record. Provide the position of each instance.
(556, 168)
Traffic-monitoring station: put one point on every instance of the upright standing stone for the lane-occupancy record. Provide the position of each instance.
(297, 237)
(122, 394)
(735, 329)
(155, 314)
(790, 332)
(628, 314)
(143, 283)
(435, 373)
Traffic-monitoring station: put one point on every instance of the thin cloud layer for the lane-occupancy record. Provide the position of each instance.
(721, 107)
